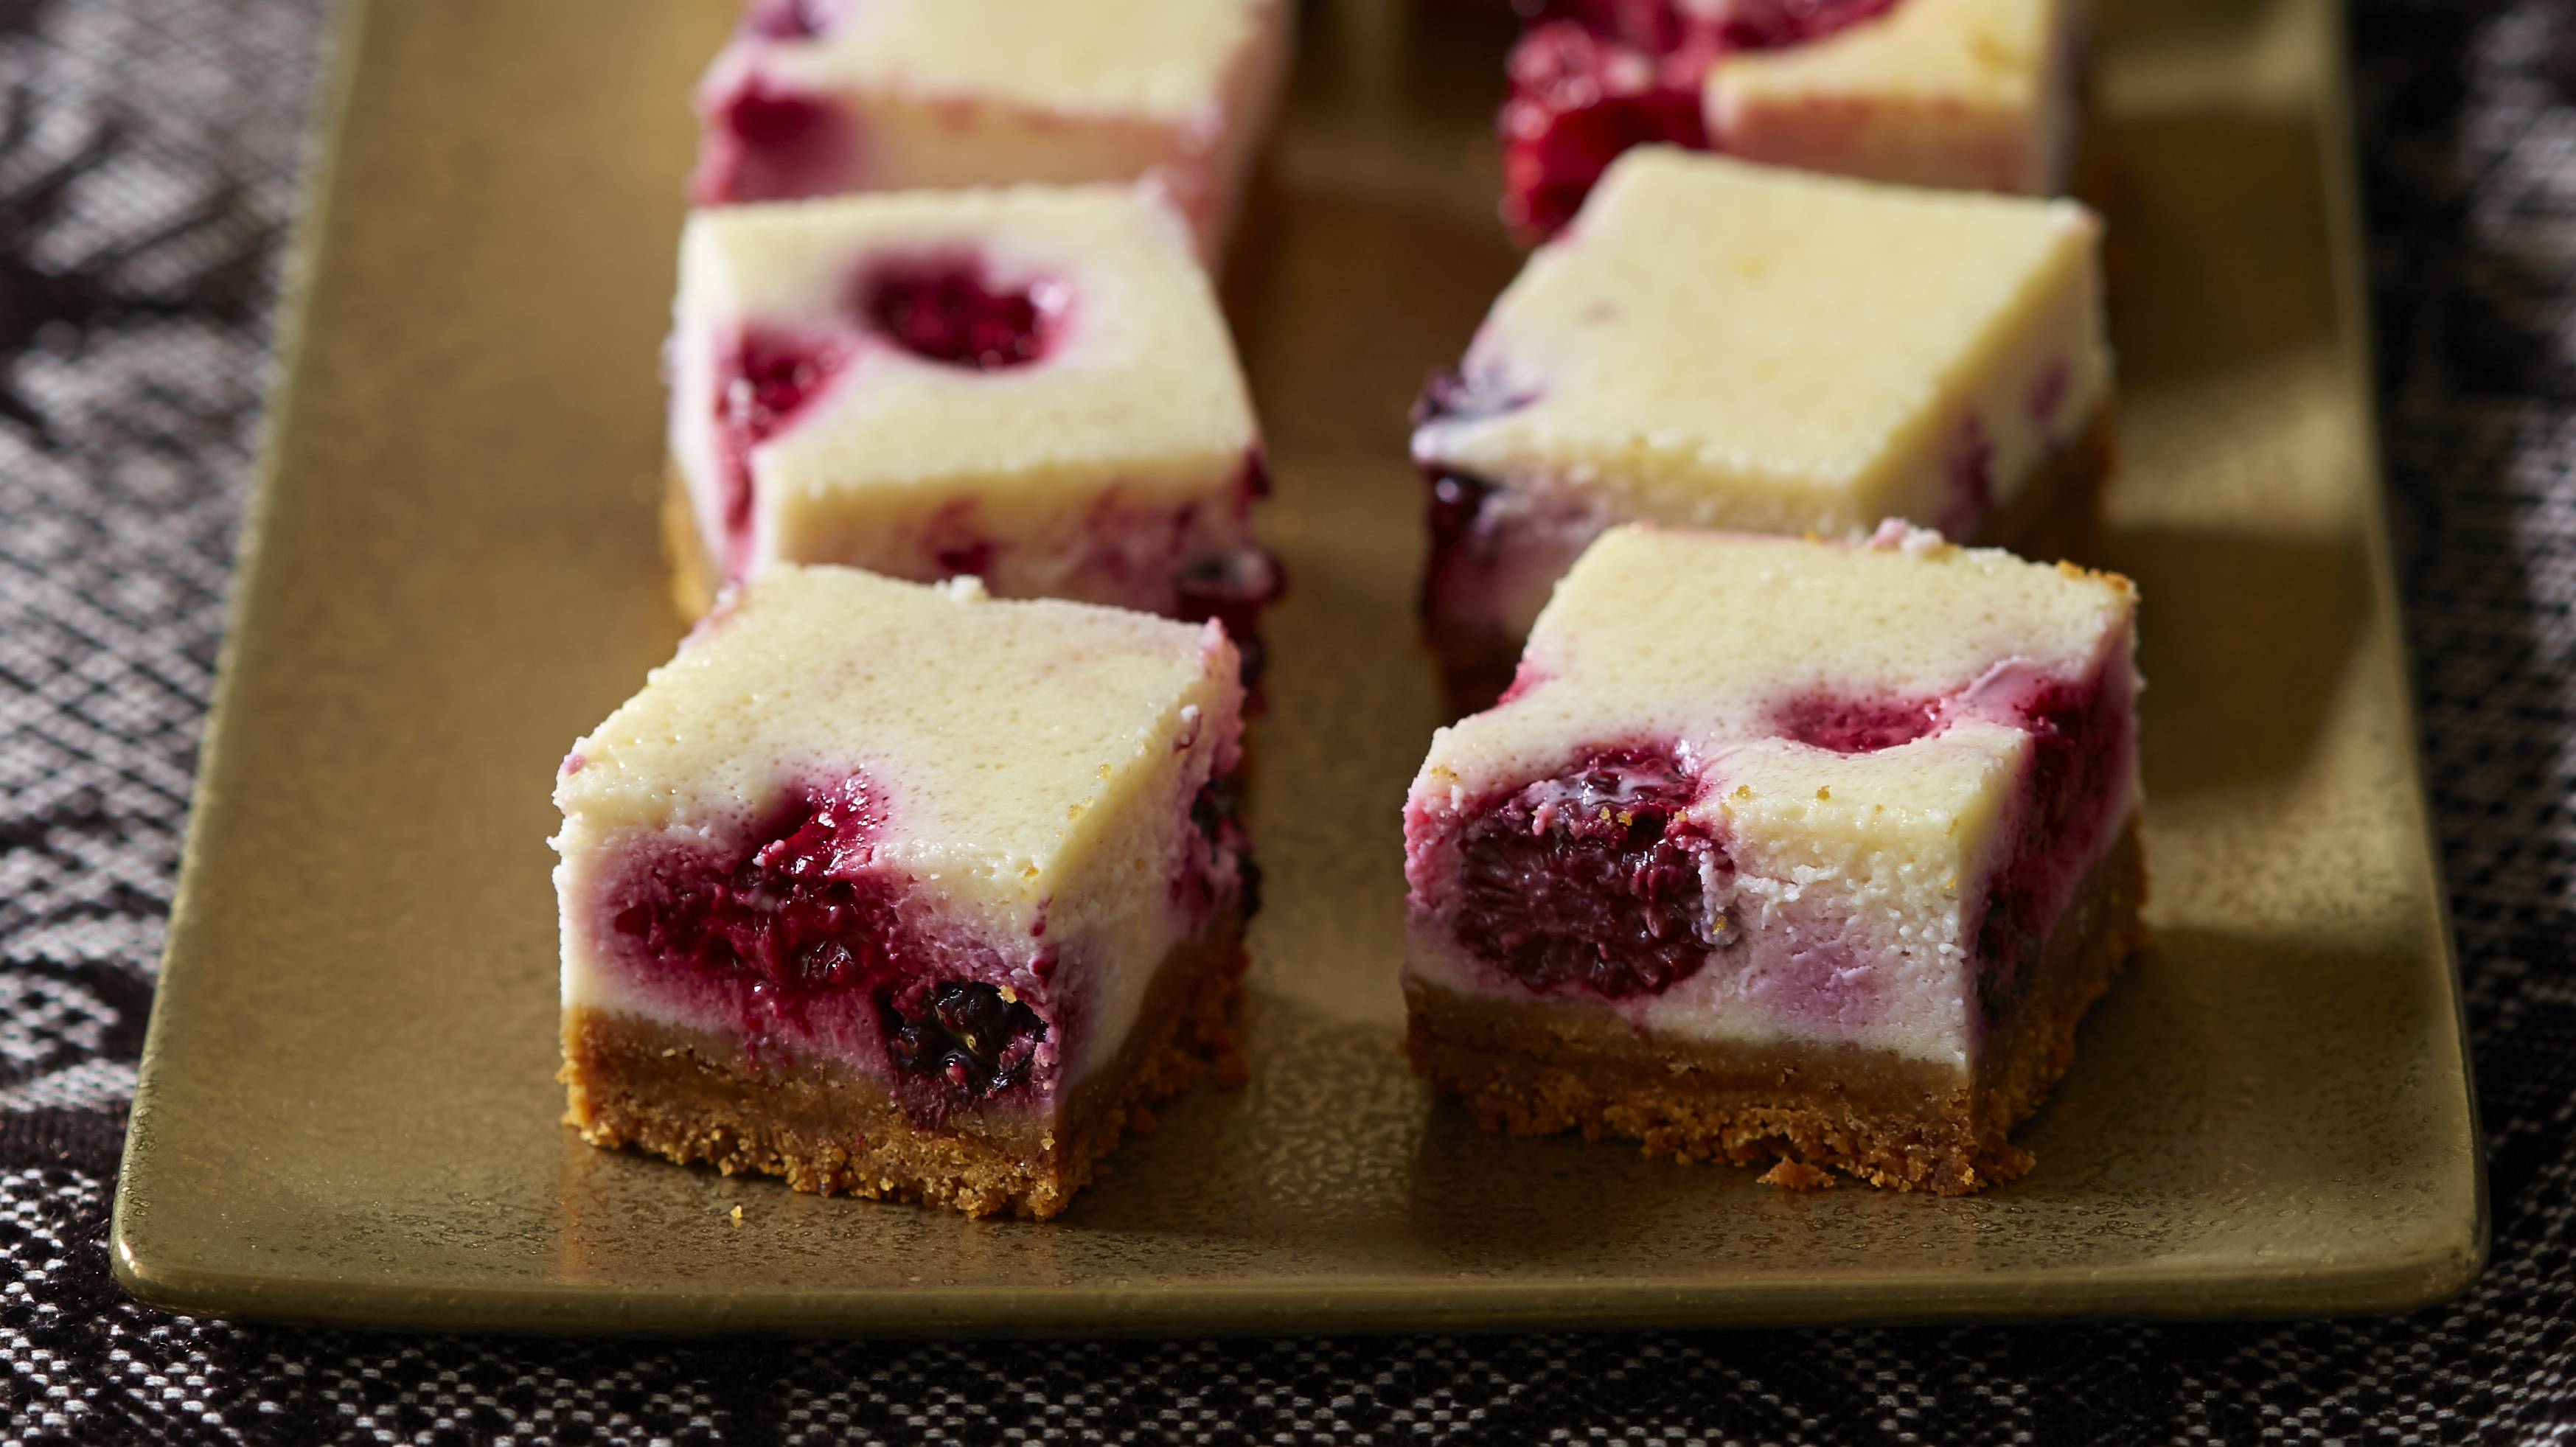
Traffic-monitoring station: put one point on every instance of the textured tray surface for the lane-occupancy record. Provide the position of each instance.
(347, 1109)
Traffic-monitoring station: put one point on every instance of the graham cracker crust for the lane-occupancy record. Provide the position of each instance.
(693, 1095)
(2057, 515)
(1536, 1068)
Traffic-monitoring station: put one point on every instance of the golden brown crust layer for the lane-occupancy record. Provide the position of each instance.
(1534, 1068)
(690, 1096)
(2057, 514)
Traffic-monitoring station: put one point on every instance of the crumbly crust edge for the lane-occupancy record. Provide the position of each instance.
(690, 1097)
(1705, 1105)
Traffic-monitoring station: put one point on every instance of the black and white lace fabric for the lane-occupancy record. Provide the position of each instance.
(146, 172)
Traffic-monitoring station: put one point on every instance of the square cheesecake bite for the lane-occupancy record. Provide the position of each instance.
(820, 97)
(1034, 386)
(1718, 344)
(1804, 850)
(901, 890)
(1978, 94)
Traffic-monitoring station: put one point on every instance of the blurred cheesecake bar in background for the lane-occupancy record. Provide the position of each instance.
(1967, 93)
(817, 97)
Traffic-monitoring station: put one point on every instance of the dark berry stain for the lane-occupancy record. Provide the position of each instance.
(766, 142)
(773, 120)
(1578, 97)
(964, 1034)
(796, 910)
(1857, 725)
(2077, 744)
(766, 379)
(946, 310)
(967, 559)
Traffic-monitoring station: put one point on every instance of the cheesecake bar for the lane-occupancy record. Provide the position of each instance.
(1968, 93)
(901, 890)
(1720, 344)
(1978, 94)
(820, 97)
(1784, 849)
(1031, 385)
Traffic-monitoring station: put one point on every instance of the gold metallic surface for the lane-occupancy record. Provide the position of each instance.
(348, 1111)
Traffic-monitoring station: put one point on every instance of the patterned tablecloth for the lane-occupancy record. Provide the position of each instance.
(146, 173)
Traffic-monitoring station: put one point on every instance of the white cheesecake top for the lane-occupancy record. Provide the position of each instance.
(1003, 740)
(1990, 55)
(1167, 59)
(1138, 375)
(1724, 344)
(1719, 644)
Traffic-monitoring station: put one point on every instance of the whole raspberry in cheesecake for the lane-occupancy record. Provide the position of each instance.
(967, 1035)
(1849, 725)
(947, 309)
(767, 377)
(1578, 98)
(1591, 880)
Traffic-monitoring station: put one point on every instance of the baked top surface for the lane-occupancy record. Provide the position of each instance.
(998, 739)
(1136, 372)
(1721, 644)
(1166, 59)
(1713, 316)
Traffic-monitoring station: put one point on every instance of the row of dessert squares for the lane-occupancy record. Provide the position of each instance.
(1788, 835)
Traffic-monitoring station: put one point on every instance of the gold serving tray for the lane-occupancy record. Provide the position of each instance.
(348, 1112)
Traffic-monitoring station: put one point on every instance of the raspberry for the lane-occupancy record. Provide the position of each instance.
(1592, 880)
(944, 309)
